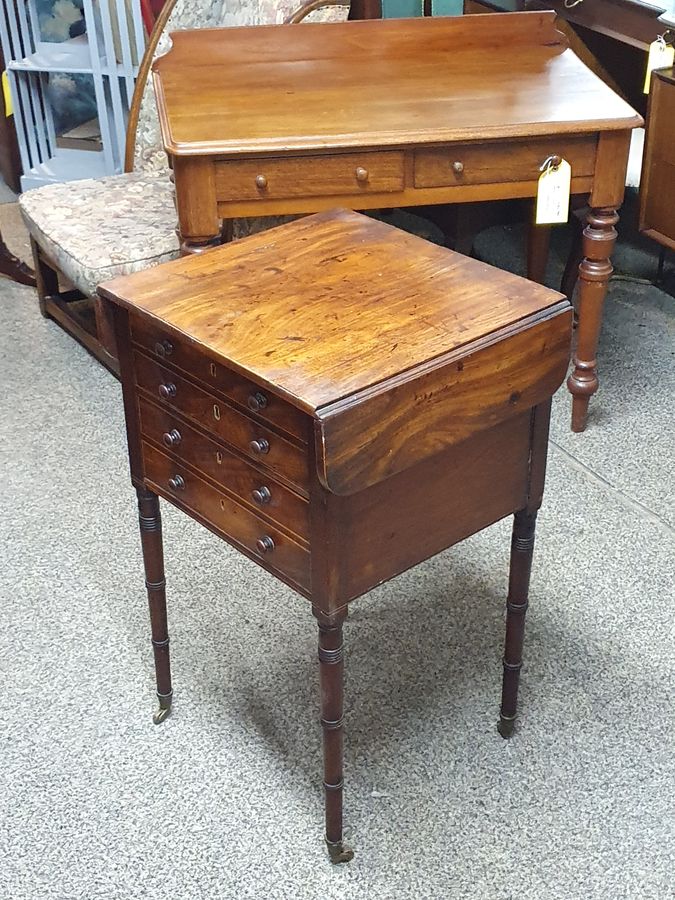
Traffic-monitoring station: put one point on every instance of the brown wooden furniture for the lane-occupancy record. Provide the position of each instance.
(338, 400)
(629, 21)
(657, 190)
(379, 114)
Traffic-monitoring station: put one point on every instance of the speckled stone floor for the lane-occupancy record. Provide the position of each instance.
(224, 799)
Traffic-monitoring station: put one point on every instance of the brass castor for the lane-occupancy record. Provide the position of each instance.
(338, 852)
(506, 726)
(164, 709)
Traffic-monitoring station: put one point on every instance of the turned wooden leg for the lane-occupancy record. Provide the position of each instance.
(594, 274)
(331, 674)
(538, 243)
(153, 559)
(190, 247)
(522, 546)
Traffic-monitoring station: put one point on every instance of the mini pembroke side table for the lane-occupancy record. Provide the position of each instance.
(338, 400)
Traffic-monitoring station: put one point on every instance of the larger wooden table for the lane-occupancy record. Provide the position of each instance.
(266, 121)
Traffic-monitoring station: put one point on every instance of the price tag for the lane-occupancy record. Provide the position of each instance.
(553, 193)
(660, 56)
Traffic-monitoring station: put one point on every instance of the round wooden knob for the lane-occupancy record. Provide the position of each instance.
(163, 348)
(167, 391)
(458, 167)
(361, 174)
(262, 495)
(261, 182)
(265, 544)
(257, 401)
(259, 446)
(177, 483)
(171, 438)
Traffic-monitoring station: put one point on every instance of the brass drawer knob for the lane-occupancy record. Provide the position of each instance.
(458, 167)
(167, 390)
(262, 495)
(261, 182)
(265, 544)
(257, 401)
(171, 438)
(177, 483)
(259, 446)
(361, 174)
(163, 348)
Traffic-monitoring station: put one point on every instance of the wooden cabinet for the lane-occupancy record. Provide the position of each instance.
(657, 190)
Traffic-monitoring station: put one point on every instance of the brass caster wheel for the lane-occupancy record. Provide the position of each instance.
(506, 726)
(338, 852)
(161, 714)
(164, 708)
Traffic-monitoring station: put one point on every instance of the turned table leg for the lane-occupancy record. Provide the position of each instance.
(331, 674)
(594, 274)
(522, 547)
(153, 560)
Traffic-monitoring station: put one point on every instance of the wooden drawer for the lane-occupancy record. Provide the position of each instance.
(227, 517)
(238, 430)
(310, 176)
(488, 163)
(188, 357)
(265, 495)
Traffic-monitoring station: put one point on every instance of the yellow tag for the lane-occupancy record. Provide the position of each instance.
(553, 193)
(7, 94)
(660, 56)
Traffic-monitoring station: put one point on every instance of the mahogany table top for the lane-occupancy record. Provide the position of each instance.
(309, 87)
(394, 304)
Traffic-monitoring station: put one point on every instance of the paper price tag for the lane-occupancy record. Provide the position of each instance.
(660, 56)
(553, 193)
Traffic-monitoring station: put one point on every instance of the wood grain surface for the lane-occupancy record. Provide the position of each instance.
(329, 305)
(376, 84)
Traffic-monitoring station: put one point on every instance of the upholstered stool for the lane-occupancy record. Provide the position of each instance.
(339, 401)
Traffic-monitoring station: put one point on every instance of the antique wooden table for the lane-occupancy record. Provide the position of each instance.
(338, 400)
(375, 114)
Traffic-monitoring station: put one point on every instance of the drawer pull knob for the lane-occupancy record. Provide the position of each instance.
(458, 167)
(171, 438)
(262, 495)
(163, 348)
(361, 174)
(177, 483)
(257, 401)
(265, 544)
(167, 391)
(261, 182)
(259, 446)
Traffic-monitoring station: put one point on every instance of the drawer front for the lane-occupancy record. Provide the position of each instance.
(255, 441)
(487, 163)
(310, 176)
(190, 359)
(255, 489)
(271, 547)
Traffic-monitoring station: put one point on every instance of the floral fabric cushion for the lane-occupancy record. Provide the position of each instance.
(97, 228)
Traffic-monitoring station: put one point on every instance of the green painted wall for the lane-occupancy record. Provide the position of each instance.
(402, 9)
